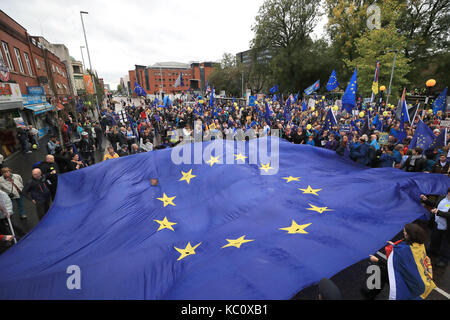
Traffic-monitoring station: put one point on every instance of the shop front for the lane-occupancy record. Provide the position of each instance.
(36, 109)
(10, 118)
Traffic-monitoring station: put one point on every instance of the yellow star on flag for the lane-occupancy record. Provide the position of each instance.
(290, 178)
(310, 190)
(318, 209)
(240, 156)
(167, 200)
(236, 242)
(266, 167)
(189, 250)
(296, 228)
(213, 160)
(165, 224)
(187, 176)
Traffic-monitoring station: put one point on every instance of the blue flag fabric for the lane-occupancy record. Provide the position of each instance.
(349, 97)
(267, 114)
(410, 272)
(314, 87)
(139, 90)
(332, 82)
(330, 120)
(251, 101)
(354, 126)
(167, 102)
(404, 116)
(274, 89)
(211, 99)
(131, 240)
(441, 102)
(79, 106)
(304, 106)
(440, 141)
(423, 137)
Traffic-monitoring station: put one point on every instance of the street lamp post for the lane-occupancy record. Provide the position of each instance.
(392, 74)
(89, 57)
(82, 56)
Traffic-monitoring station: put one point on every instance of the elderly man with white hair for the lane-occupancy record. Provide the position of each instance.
(37, 191)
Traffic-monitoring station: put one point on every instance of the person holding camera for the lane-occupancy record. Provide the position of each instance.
(12, 185)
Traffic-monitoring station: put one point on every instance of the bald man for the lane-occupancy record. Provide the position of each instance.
(50, 172)
(37, 191)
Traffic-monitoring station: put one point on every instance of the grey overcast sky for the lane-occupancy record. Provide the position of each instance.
(123, 33)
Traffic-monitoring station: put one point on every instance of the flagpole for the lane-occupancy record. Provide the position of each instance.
(392, 74)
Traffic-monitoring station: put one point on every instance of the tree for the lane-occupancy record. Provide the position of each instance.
(119, 89)
(226, 76)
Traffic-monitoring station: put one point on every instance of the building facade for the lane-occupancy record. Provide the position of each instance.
(34, 83)
(162, 77)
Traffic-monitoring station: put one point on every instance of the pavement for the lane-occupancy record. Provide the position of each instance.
(349, 280)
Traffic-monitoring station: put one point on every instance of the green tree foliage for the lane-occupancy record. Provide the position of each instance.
(375, 44)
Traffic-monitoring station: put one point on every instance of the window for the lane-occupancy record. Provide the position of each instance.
(27, 61)
(8, 56)
(37, 63)
(57, 69)
(65, 87)
(19, 60)
(33, 41)
(53, 67)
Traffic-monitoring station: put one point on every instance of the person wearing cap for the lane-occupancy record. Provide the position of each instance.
(87, 147)
(440, 235)
(123, 150)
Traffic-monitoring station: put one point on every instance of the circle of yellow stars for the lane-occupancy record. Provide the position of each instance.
(294, 228)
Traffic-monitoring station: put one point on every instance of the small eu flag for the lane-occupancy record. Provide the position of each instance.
(332, 82)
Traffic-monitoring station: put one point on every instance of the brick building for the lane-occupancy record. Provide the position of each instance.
(161, 77)
(39, 78)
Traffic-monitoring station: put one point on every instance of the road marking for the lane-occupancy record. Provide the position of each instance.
(439, 290)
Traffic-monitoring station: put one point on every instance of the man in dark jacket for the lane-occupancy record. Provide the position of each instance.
(86, 147)
(123, 150)
(50, 172)
(22, 136)
(98, 136)
(415, 163)
(440, 236)
(38, 192)
(441, 166)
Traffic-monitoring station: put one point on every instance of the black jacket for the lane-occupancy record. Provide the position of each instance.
(37, 190)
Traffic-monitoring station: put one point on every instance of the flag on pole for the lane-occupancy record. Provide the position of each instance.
(274, 89)
(441, 102)
(423, 137)
(314, 87)
(375, 82)
(349, 97)
(179, 82)
(332, 82)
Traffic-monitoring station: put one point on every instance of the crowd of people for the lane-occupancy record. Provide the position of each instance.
(147, 126)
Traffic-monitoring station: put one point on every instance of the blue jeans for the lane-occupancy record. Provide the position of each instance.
(19, 202)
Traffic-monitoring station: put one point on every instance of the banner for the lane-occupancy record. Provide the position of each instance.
(88, 84)
(384, 138)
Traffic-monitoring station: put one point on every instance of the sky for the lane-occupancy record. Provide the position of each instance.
(122, 33)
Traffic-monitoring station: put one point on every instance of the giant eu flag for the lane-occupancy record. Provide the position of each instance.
(349, 97)
(211, 230)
